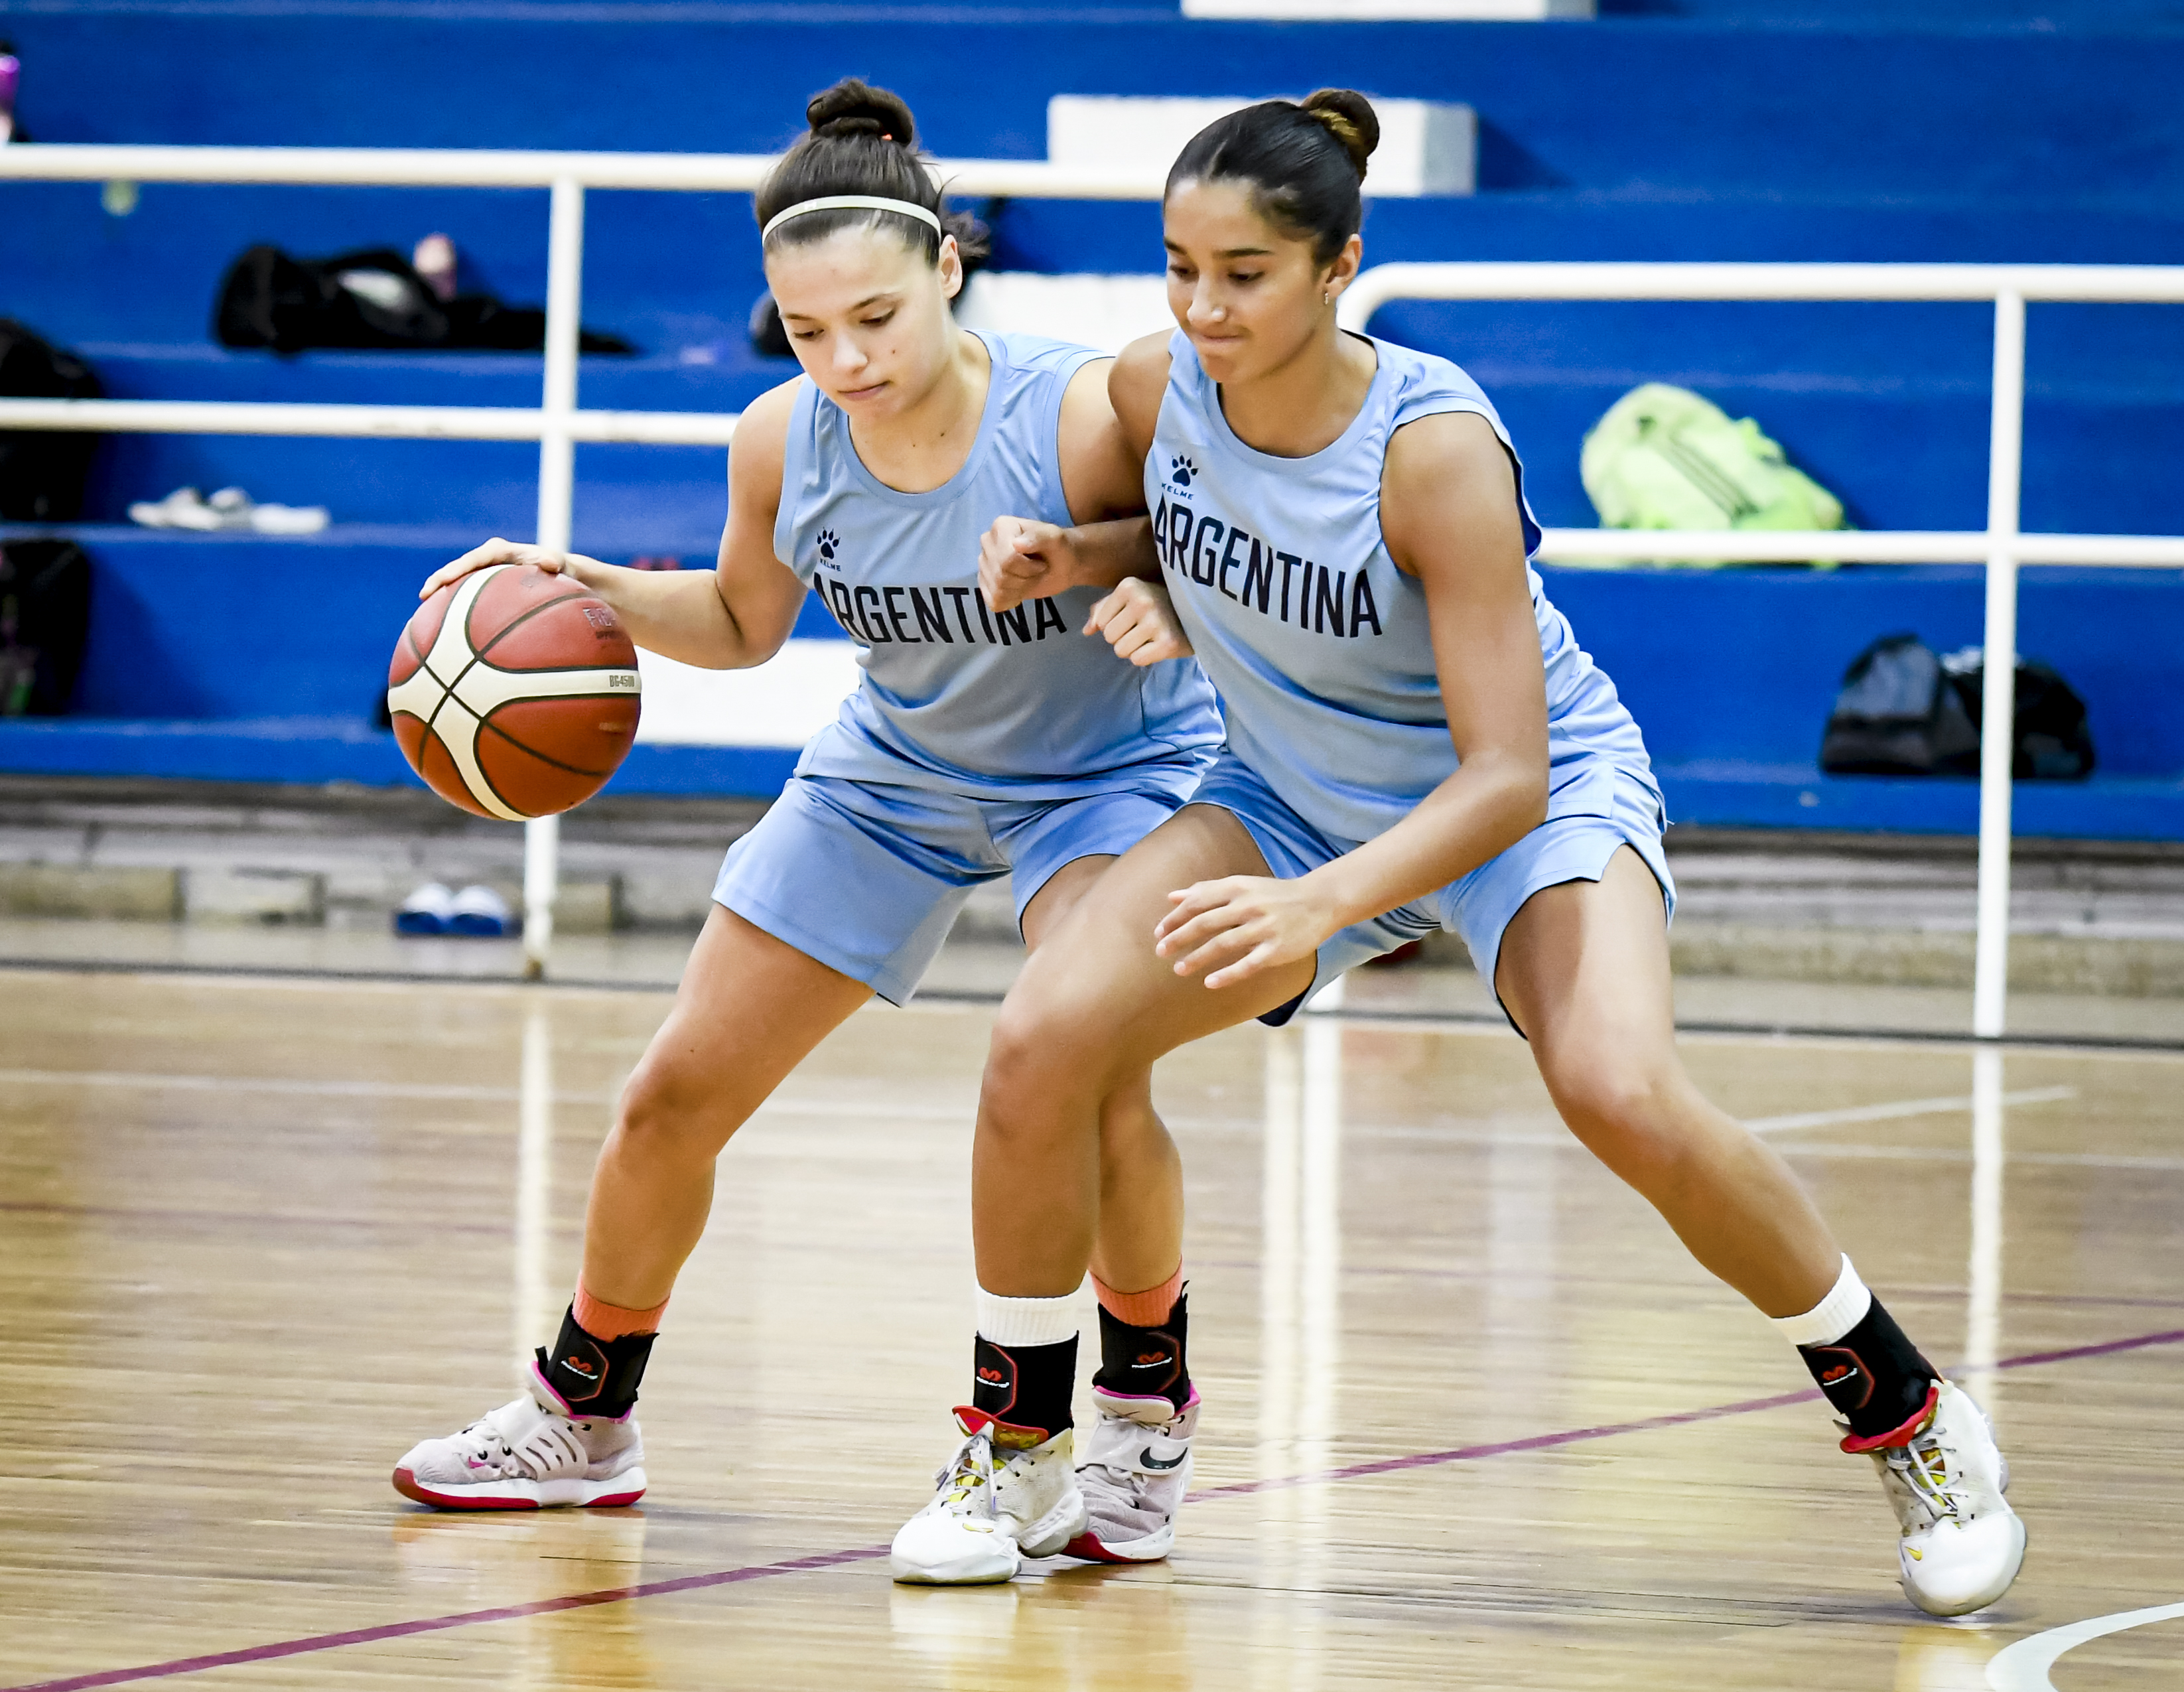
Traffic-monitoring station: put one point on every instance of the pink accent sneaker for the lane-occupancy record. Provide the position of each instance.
(1134, 1478)
(530, 1454)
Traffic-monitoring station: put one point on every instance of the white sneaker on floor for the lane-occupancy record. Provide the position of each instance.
(1962, 1543)
(995, 1502)
(530, 1454)
(1134, 1478)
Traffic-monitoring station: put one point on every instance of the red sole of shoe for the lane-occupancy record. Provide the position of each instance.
(1086, 1549)
(405, 1482)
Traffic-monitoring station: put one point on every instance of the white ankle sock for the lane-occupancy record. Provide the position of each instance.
(1834, 1316)
(1026, 1321)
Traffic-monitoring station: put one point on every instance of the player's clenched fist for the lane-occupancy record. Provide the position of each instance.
(1140, 623)
(1021, 559)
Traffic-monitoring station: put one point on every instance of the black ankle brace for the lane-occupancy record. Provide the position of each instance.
(1026, 1386)
(1874, 1375)
(1140, 1362)
(595, 1377)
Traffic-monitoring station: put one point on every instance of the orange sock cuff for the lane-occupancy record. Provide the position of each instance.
(610, 1321)
(1145, 1309)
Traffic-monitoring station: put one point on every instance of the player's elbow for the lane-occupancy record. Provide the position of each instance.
(1520, 783)
(748, 653)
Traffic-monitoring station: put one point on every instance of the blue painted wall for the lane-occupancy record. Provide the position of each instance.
(1942, 129)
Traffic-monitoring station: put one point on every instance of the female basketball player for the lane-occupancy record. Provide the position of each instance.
(977, 744)
(1415, 741)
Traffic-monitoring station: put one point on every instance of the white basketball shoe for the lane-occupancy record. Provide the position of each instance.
(530, 1454)
(1135, 1476)
(1961, 1544)
(999, 1499)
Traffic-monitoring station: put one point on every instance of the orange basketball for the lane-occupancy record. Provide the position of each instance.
(514, 693)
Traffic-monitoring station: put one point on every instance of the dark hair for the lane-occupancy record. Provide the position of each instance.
(862, 141)
(1304, 164)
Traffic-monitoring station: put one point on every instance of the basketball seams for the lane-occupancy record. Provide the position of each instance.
(520, 618)
(487, 725)
(461, 747)
(461, 672)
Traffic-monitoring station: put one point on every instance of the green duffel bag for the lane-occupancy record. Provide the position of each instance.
(1664, 457)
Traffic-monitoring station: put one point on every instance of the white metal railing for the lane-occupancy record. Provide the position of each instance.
(2001, 545)
(557, 425)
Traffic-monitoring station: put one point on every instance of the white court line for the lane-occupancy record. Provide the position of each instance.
(1907, 1107)
(2023, 1666)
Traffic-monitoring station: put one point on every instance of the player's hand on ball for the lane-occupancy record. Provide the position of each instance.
(1140, 623)
(1020, 560)
(1232, 928)
(494, 551)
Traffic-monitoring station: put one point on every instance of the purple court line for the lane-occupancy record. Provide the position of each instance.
(694, 1583)
(433, 1624)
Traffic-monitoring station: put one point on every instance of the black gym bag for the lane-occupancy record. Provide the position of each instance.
(372, 298)
(42, 470)
(45, 614)
(1903, 710)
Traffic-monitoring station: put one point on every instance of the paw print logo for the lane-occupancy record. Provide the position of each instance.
(829, 544)
(1180, 471)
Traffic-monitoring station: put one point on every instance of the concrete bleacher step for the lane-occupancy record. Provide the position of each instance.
(1753, 904)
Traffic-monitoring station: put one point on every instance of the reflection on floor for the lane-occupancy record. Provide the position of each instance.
(256, 1235)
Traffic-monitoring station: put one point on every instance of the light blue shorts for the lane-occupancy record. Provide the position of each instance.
(867, 878)
(1478, 906)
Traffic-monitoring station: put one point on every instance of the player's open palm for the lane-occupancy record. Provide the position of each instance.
(1140, 622)
(1021, 559)
(493, 552)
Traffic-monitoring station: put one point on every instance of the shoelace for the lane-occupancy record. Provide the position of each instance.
(1926, 1471)
(1128, 1482)
(972, 1469)
(548, 1449)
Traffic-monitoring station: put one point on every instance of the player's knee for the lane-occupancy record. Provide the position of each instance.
(669, 1115)
(1038, 1040)
(1626, 1108)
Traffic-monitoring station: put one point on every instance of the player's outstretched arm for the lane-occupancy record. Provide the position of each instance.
(730, 617)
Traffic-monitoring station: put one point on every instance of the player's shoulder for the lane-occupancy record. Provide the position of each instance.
(1147, 359)
(1139, 380)
(760, 446)
(1423, 384)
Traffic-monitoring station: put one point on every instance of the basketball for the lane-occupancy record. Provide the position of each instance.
(514, 693)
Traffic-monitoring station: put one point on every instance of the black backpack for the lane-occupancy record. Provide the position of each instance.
(2052, 741)
(42, 470)
(371, 298)
(1903, 710)
(45, 614)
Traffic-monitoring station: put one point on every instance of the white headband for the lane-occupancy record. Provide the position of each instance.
(849, 203)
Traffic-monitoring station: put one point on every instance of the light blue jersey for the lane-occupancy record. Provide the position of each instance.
(1012, 706)
(1318, 645)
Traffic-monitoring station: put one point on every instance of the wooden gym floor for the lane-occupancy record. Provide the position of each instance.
(1472, 1418)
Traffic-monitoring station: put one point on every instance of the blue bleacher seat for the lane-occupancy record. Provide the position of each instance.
(1933, 130)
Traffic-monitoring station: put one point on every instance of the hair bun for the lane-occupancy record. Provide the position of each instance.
(852, 107)
(1349, 117)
